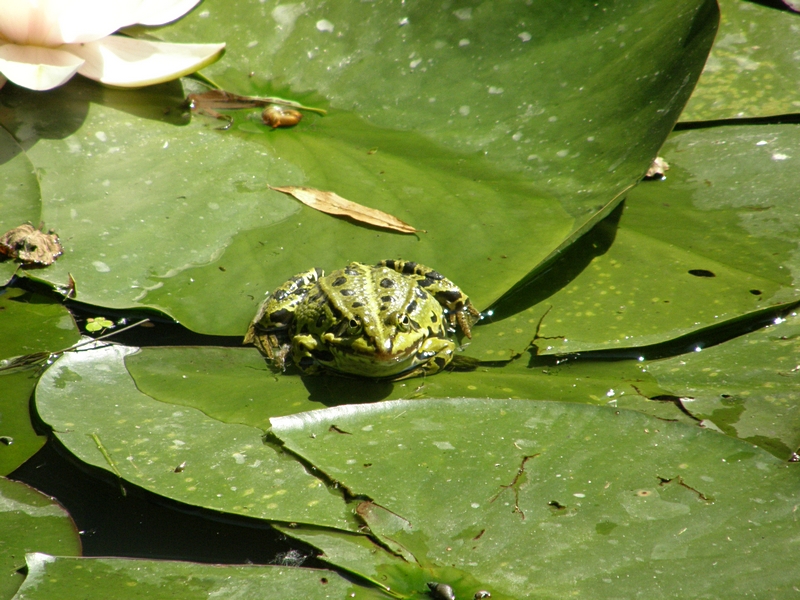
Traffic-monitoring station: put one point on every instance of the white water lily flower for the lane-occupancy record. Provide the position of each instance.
(43, 43)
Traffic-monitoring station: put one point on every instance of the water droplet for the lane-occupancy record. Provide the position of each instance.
(324, 25)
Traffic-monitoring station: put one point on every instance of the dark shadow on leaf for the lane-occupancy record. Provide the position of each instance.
(776, 4)
(559, 273)
(56, 114)
(332, 390)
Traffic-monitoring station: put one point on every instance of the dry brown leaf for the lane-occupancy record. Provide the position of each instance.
(333, 204)
(31, 246)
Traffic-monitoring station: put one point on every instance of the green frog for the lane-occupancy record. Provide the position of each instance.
(391, 321)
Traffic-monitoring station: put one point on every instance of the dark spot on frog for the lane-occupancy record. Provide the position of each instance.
(279, 295)
(339, 281)
(425, 282)
(386, 298)
(419, 293)
(386, 283)
(384, 307)
(280, 316)
(450, 297)
(440, 362)
(434, 318)
(322, 355)
(701, 273)
(389, 263)
(434, 275)
(409, 268)
(351, 272)
(347, 292)
(357, 304)
(412, 306)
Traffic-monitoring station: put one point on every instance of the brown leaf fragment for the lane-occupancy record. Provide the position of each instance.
(657, 169)
(31, 246)
(333, 204)
(277, 116)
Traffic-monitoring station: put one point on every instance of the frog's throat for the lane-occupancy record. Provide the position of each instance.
(367, 360)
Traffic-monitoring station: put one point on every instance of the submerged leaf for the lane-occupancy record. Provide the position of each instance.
(333, 204)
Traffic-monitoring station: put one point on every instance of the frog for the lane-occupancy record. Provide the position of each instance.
(393, 320)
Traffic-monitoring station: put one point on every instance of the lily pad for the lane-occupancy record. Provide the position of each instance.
(481, 162)
(127, 579)
(234, 385)
(30, 521)
(748, 387)
(21, 199)
(548, 499)
(752, 70)
(18, 439)
(31, 327)
(96, 411)
(30, 323)
(713, 242)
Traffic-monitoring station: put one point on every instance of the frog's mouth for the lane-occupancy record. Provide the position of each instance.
(378, 364)
(370, 361)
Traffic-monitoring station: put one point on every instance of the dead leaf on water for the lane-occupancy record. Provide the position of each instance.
(333, 204)
(31, 246)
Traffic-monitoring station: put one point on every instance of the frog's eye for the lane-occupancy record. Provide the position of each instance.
(354, 326)
(403, 322)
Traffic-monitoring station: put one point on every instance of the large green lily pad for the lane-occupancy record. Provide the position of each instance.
(499, 174)
(543, 499)
(714, 241)
(752, 70)
(748, 387)
(125, 579)
(235, 386)
(30, 522)
(96, 411)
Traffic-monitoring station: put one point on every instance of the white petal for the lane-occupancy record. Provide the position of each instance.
(37, 68)
(54, 22)
(158, 12)
(127, 62)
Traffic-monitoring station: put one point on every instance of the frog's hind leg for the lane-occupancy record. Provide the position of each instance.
(459, 308)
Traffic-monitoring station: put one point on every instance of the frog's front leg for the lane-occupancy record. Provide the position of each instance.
(439, 353)
(270, 329)
(448, 294)
(303, 348)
